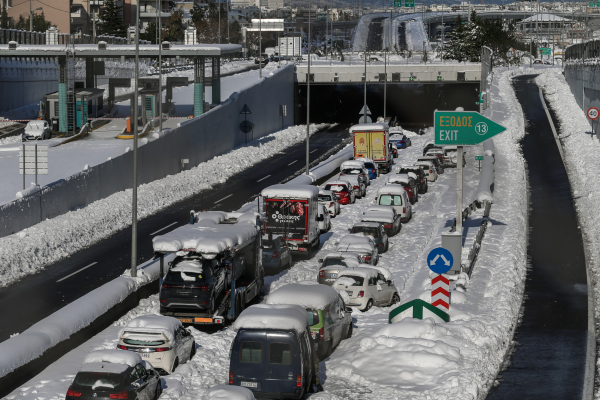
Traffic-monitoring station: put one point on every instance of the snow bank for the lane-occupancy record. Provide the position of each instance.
(60, 237)
(226, 392)
(30, 190)
(304, 295)
(325, 168)
(270, 316)
(125, 357)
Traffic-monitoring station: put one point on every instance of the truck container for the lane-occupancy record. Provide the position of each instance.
(373, 141)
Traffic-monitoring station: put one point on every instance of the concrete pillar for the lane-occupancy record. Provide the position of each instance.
(216, 80)
(199, 86)
(89, 72)
(62, 94)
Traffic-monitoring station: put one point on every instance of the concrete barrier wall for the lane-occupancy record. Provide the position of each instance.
(24, 82)
(575, 73)
(198, 140)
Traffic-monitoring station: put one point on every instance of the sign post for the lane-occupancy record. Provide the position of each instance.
(593, 113)
(479, 159)
(33, 160)
(365, 118)
(246, 126)
(462, 128)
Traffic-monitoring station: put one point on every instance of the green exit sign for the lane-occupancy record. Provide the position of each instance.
(463, 128)
(594, 4)
(545, 51)
(478, 158)
(409, 3)
(397, 3)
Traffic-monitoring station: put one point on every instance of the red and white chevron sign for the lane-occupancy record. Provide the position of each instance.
(440, 292)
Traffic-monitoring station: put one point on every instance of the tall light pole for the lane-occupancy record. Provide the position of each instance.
(160, 68)
(220, 21)
(135, 148)
(260, 41)
(31, 15)
(308, 98)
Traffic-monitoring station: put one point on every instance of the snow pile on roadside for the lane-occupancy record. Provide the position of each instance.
(10, 139)
(58, 238)
(582, 158)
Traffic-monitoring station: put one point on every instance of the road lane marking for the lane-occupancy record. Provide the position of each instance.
(314, 150)
(226, 197)
(262, 179)
(293, 162)
(162, 229)
(70, 275)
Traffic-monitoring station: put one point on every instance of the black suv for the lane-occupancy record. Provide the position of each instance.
(192, 283)
(422, 184)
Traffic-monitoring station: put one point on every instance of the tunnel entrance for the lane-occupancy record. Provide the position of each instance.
(412, 104)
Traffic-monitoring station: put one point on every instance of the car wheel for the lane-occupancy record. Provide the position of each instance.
(349, 334)
(395, 299)
(157, 392)
(193, 350)
(368, 306)
(176, 364)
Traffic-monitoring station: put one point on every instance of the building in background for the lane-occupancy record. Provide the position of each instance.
(58, 12)
(148, 12)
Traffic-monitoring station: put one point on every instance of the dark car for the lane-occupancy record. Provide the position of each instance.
(376, 231)
(422, 183)
(276, 361)
(430, 146)
(192, 283)
(436, 162)
(399, 140)
(100, 379)
(276, 254)
(263, 59)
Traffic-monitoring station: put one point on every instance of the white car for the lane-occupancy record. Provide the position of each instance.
(395, 196)
(367, 286)
(36, 130)
(329, 201)
(362, 244)
(160, 340)
(323, 218)
(429, 170)
(333, 262)
(358, 184)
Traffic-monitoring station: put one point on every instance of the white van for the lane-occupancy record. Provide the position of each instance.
(395, 196)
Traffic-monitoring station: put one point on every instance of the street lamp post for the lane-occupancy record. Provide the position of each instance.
(160, 122)
(308, 98)
(135, 148)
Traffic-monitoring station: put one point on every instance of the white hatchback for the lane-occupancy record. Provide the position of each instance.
(160, 340)
(329, 201)
(367, 286)
(323, 219)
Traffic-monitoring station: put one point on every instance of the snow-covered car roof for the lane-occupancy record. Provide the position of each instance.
(367, 224)
(352, 164)
(354, 180)
(290, 191)
(346, 255)
(398, 178)
(426, 163)
(384, 271)
(358, 242)
(362, 271)
(206, 238)
(115, 360)
(338, 182)
(390, 189)
(273, 316)
(396, 136)
(377, 216)
(435, 150)
(153, 324)
(325, 192)
(304, 294)
(368, 127)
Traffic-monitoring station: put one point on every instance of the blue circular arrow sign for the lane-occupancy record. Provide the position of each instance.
(440, 260)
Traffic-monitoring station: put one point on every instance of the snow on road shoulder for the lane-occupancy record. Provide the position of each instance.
(32, 249)
(582, 159)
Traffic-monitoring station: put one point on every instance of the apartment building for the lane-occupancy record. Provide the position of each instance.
(58, 14)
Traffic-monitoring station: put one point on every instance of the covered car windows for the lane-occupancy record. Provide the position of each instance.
(134, 342)
(191, 271)
(324, 197)
(336, 188)
(98, 379)
(390, 200)
(358, 280)
(367, 230)
(351, 171)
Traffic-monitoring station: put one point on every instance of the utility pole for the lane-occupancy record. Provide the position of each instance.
(30, 24)
(135, 148)
(160, 121)
(220, 21)
(260, 41)
(365, 80)
(307, 97)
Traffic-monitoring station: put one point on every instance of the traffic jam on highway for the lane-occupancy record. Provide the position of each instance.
(220, 262)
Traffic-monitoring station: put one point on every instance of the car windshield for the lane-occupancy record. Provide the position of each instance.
(34, 125)
(98, 379)
(334, 261)
(390, 200)
(358, 280)
(324, 197)
(369, 165)
(335, 188)
(367, 230)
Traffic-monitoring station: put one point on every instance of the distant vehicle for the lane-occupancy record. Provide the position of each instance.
(273, 352)
(328, 199)
(276, 254)
(220, 269)
(368, 287)
(394, 150)
(439, 168)
(162, 341)
(395, 196)
(376, 231)
(421, 178)
(333, 262)
(324, 219)
(361, 244)
(429, 146)
(292, 211)
(355, 167)
(344, 191)
(329, 318)
(384, 215)
(408, 183)
(263, 59)
(399, 140)
(450, 155)
(356, 182)
(537, 61)
(430, 170)
(371, 167)
(36, 130)
(115, 374)
(372, 141)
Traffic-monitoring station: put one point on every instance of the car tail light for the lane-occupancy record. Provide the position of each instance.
(322, 333)
(120, 346)
(430, 171)
(231, 377)
(298, 380)
(367, 258)
(275, 255)
(120, 395)
(202, 287)
(389, 226)
(331, 204)
(321, 274)
(73, 393)
(361, 293)
(160, 349)
(404, 210)
(301, 248)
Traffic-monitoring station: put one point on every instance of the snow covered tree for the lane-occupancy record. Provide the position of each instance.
(112, 20)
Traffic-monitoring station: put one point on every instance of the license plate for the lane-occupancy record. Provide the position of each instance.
(249, 384)
(144, 355)
(186, 320)
(184, 292)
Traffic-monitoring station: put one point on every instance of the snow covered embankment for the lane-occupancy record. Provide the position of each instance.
(582, 158)
(30, 250)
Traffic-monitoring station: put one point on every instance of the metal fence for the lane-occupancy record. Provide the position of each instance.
(27, 37)
(487, 56)
(582, 73)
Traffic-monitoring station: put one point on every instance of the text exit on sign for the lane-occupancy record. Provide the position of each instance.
(463, 128)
